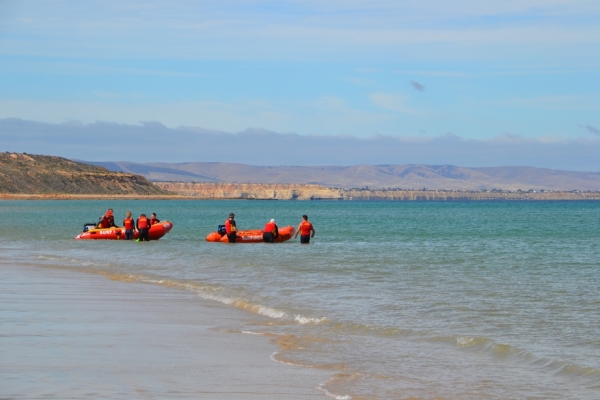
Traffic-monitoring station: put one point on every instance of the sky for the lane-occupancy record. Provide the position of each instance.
(469, 83)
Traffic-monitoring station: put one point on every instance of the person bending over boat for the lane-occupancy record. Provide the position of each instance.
(107, 220)
(306, 230)
(270, 232)
(231, 228)
(153, 219)
(129, 226)
(143, 225)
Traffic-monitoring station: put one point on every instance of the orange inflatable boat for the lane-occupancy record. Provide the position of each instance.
(252, 236)
(156, 232)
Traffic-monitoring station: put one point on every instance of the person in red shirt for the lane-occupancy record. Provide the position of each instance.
(231, 228)
(129, 226)
(153, 219)
(143, 225)
(270, 232)
(107, 220)
(306, 230)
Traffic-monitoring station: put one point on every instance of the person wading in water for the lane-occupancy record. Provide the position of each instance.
(231, 228)
(306, 230)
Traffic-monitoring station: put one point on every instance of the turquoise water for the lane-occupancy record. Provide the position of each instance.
(397, 299)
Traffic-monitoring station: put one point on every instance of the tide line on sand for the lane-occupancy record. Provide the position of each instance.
(67, 333)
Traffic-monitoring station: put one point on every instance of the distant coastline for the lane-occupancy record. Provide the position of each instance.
(407, 176)
(307, 192)
(255, 191)
(38, 177)
(67, 196)
(326, 194)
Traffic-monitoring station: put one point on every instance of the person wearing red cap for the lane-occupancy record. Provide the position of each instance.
(107, 220)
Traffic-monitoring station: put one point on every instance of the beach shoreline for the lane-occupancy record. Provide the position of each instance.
(305, 192)
(76, 335)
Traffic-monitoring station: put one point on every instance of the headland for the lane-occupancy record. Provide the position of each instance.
(28, 174)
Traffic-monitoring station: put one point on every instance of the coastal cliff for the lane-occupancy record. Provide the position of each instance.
(252, 191)
(257, 191)
(30, 174)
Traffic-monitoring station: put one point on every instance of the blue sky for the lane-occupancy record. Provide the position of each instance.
(411, 70)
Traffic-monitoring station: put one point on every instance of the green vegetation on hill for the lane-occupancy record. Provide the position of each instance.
(37, 174)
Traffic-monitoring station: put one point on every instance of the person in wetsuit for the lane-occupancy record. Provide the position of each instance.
(153, 219)
(143, 225)
(306, 230)
(129, 226)
(270, 232)
(107, 220)
(231, 228)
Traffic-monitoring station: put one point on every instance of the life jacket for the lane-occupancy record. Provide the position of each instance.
(269, 227)
(143, 223)
(154, 221)
(128, 224)
(102, 222)
(305, 228)
(229, 227)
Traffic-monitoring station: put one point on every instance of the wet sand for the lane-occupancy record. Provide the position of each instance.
(73, 335)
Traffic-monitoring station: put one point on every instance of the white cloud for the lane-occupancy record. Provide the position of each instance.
(155, 142)
(327, 114)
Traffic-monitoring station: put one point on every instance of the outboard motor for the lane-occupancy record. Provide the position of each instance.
(221, 229)
(88, 226)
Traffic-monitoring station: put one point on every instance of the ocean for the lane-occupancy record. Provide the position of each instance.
(451, 300)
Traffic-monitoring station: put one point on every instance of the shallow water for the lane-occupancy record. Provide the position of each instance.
(396, 299)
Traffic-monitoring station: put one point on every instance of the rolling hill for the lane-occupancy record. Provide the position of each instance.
(416, 176)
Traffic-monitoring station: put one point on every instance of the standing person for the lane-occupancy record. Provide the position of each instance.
(231, 228)
(270, 232)
(306, 230)
(129, 225)
(153, 219)
(143, 224)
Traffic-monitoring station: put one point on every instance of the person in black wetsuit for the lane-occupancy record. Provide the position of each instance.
(306, 230)
(270, 232)
(143, 225)
(231, 228)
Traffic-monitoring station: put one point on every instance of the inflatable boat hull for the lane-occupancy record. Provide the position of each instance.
(252, 236)
(156, 232)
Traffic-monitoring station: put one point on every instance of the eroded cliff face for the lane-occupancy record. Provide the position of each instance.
(257, 191)
(252, 191)
(35, 174)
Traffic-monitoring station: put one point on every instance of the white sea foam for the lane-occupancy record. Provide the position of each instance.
(244, 305)
(281, 362)
(310, 321)
(329, 394)
(73, 261)
(464, 341)
(289, 363)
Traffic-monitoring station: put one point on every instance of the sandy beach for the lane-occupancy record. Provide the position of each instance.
(75, 335)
